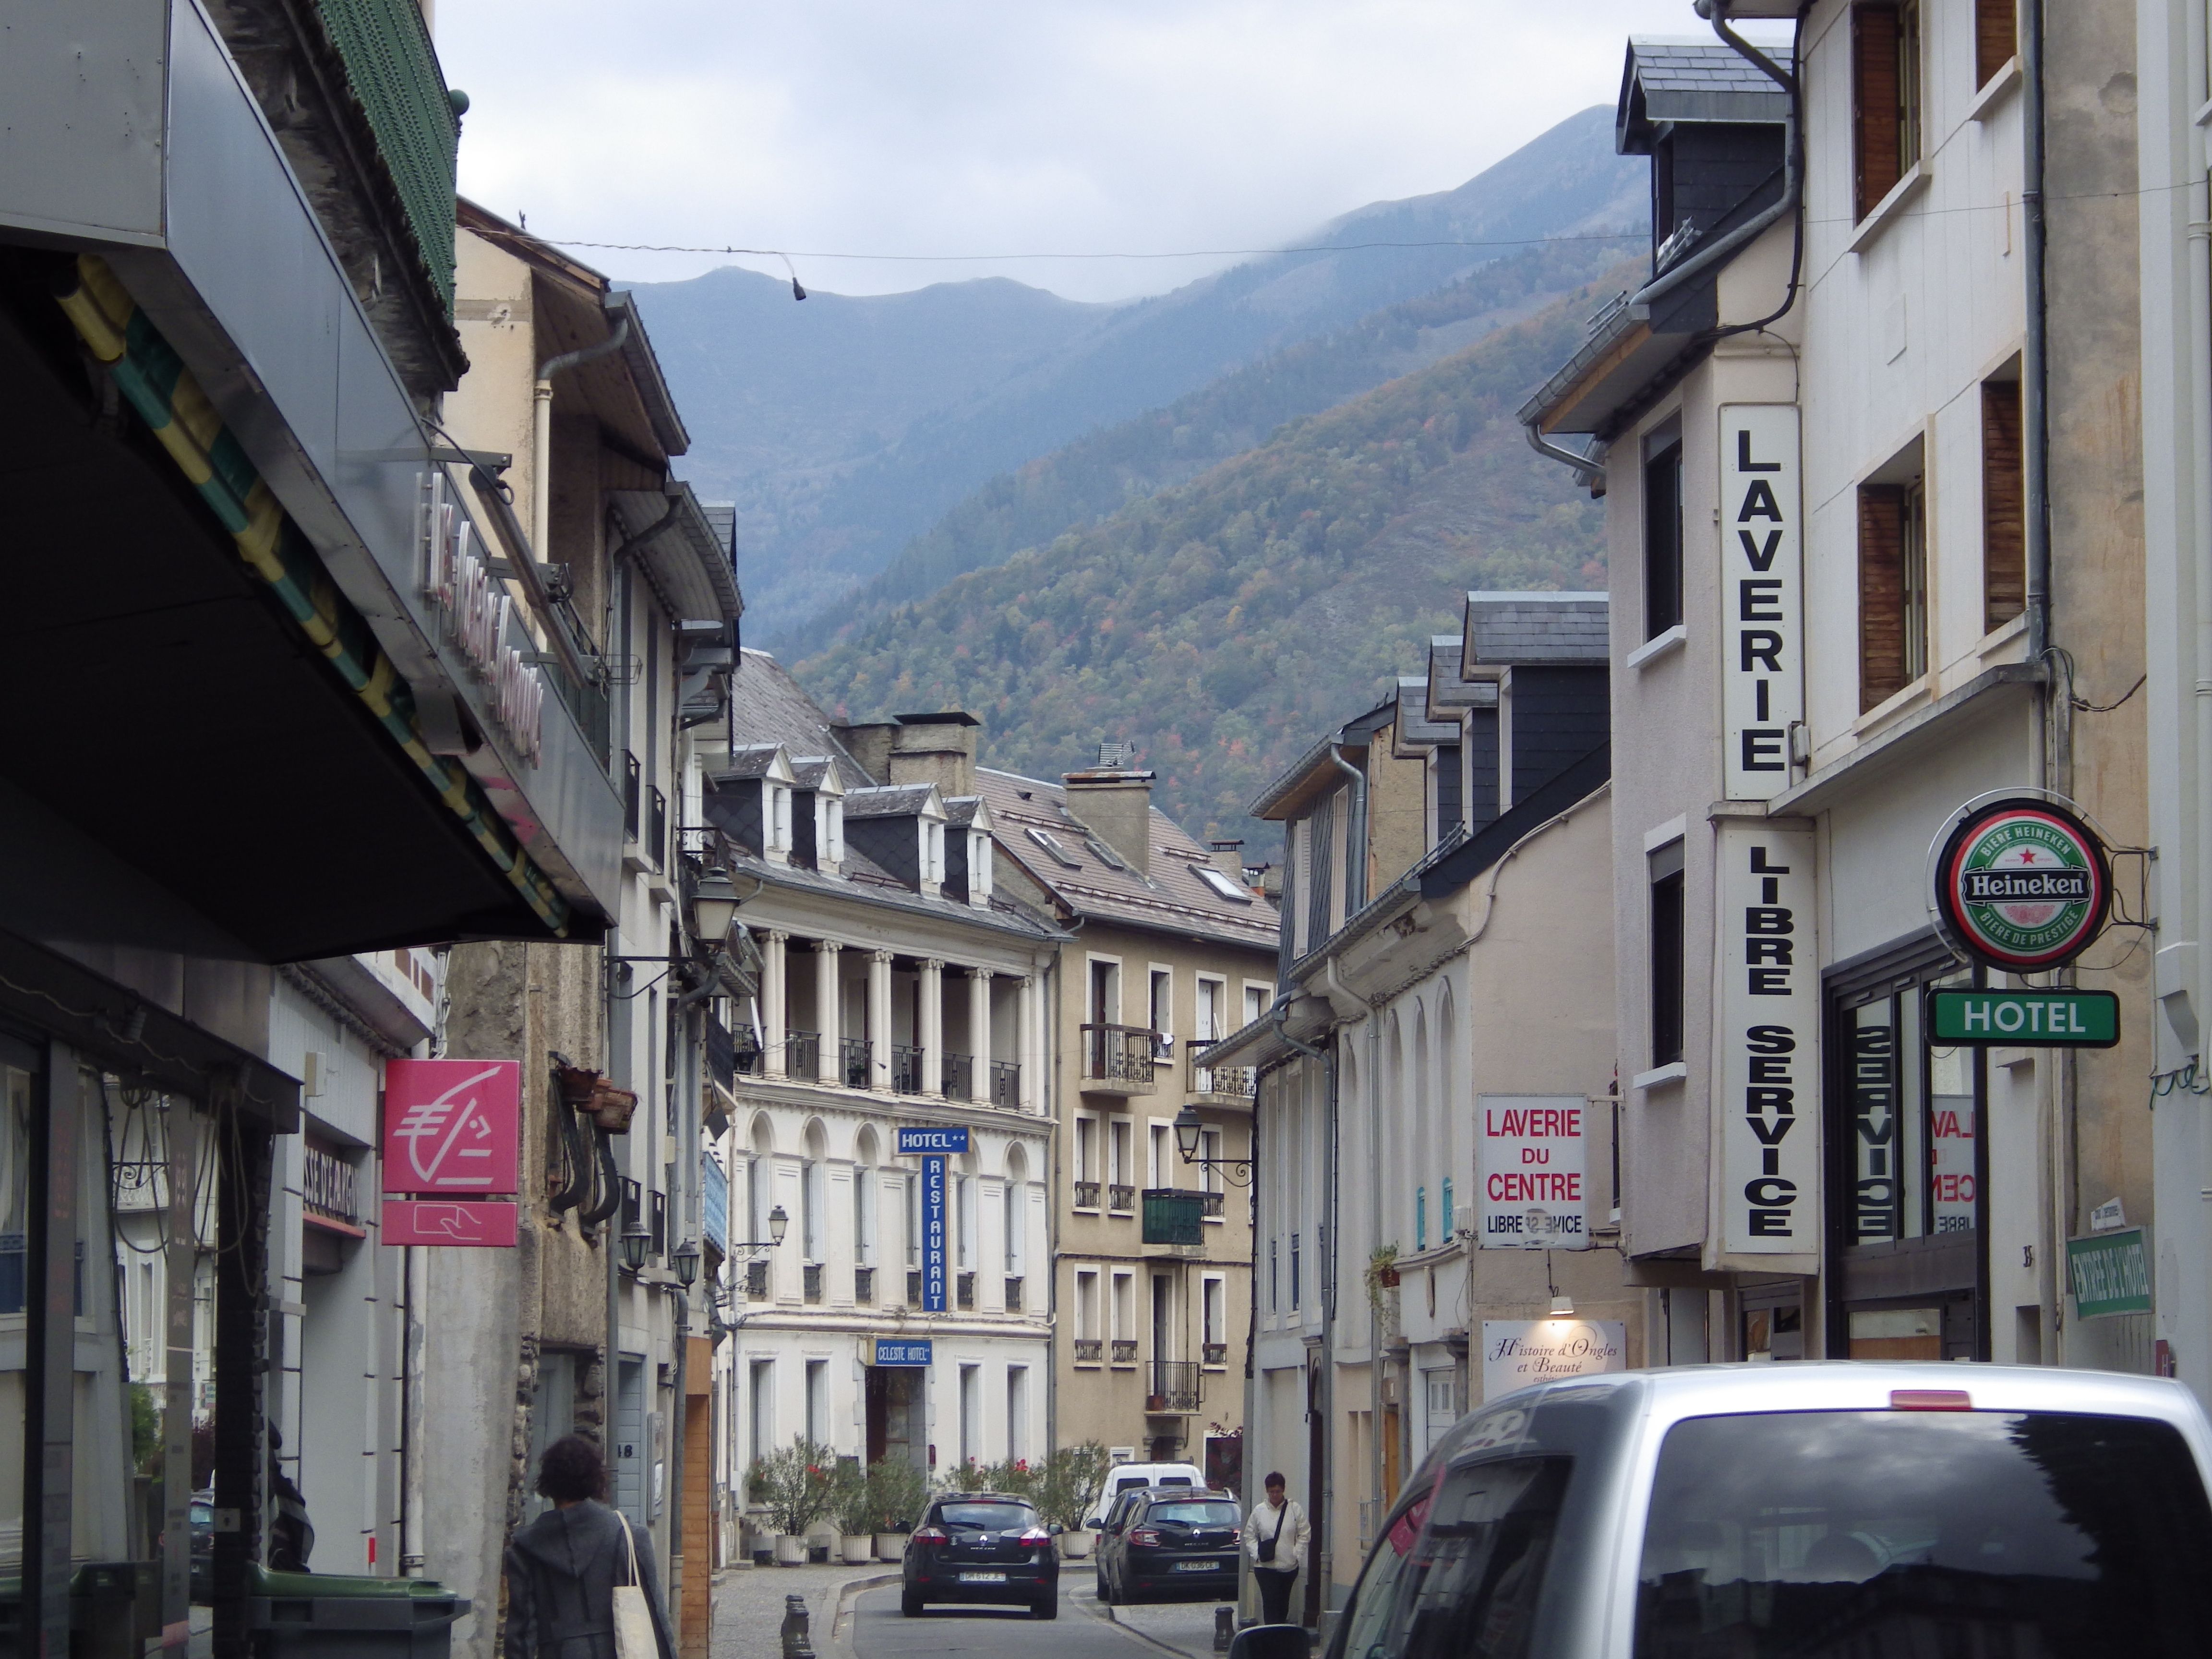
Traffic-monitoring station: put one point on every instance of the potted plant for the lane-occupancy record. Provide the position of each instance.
(797, 1483)
(853, 1512)
(898, 1489)
(1067, 1489)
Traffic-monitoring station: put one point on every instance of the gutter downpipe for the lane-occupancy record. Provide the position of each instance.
(2199, 291)
(541, 440)
(1355, 836)
(1374, 1217)
(1586, 467)
(1323, 1479)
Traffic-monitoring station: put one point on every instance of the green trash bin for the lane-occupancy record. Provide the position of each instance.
(313, 1615)
(114, 1606)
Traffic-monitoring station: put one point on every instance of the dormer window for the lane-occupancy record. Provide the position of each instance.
(828, 831)
(779, 818)
(979, 869)
(932, 852)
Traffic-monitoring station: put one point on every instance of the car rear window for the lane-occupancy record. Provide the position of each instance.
(986, 1517)
(1964, 1532)
(1195, 1514)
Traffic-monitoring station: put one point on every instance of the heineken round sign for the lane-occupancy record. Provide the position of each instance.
(2022, 885)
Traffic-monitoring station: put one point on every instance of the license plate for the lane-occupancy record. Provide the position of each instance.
(982, 1578)
(1198, 1566)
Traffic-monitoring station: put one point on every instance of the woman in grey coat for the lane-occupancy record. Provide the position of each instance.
(563, 1568)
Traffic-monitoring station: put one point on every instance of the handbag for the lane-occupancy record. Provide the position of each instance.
(634, 1637)
(1268, 1545)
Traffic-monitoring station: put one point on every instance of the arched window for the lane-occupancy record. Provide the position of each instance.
(864, 1200)
(1017, 1209)
(760, 1177)
(813, 1197)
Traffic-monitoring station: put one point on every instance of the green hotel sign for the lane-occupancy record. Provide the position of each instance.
(2024, 1019)
(2109, 1272)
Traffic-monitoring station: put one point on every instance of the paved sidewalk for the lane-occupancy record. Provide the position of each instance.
(749, 1605)
(1181, 1627)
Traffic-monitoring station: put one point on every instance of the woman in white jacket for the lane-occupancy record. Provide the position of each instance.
(1275, 1535)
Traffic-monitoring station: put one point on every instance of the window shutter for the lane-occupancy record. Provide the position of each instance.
(2004, 505)
(1881, 593)
(1875, 103)
(1995, 42)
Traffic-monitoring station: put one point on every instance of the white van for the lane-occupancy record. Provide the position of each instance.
(1125, 1477)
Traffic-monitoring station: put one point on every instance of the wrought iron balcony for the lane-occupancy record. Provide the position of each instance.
(959, 1076)
(1014, 1292)
(965, 1290)
(1215, 1204)
(1125, 1350)
(914, 1288)
(812, 1281)
(1217, 1353)
(1089, 1350)
(802, 1055)
(656, 825)
(757, 1281)
(906, 1070)
(632, 787)
(864, 1286)
(1117, 1060)
(856, 1053)
(1121, 1198)
(1220, 1085)
(1173, 1387)
(1007, 1086)
(1086, 1195)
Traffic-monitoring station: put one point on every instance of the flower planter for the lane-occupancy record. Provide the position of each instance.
(790, 1550)
(1075, 1546)
(891, 1547)
(860, 1548)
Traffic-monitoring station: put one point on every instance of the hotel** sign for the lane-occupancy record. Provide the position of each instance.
(1762, 622)
(902, 1351)
(1530, 1163)
(2022, 886)
(1769, 1035)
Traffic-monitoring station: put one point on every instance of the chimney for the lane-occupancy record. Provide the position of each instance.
(1228, 858)
(1116, 807)
(870, 746)
(937, 748)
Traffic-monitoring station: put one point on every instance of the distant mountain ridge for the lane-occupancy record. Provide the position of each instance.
(1221, 624)
(846, 428)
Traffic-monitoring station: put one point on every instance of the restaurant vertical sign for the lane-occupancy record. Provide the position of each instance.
(1769, 1033)
(1762, 621)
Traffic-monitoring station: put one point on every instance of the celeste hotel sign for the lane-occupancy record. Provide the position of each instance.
(1762, 620)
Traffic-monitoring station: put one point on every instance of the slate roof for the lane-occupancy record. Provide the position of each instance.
(1693, 78)
(811, 770)
(889, 800)
(1293, 784)
(1176, 899)
(1536, 628)
(751, 760)
(767, 706)
(1414, 724)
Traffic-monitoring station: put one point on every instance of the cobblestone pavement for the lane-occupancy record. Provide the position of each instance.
(749, 1606)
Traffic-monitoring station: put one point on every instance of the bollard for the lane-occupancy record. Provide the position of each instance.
(795, 1642)
(1225, 1628)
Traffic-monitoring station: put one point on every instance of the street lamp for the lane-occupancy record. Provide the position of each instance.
(778, 1224)
(636, 1241)
(714, 905)
(685, 1260)
(1188, 1127)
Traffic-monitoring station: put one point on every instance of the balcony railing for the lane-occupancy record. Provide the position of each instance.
(1089, 1350)
(864, 1286)
(1214, 1204)
(959, 1076)
(811, 1280)
(906, 1070)
(1014, 1292)
(1173, 1216)
(1125, 1350)
(1117, 1060)
(1237, 1082)
(965, 1290)
(856, 1053)
(656, 825)
(633, 795)
(1121, 1198)
(757, 1281)
(1173, 1386)
(1086, 1195)
(1006, 1085)
(802, 1055)
(914, 1288)
(1217, 1353)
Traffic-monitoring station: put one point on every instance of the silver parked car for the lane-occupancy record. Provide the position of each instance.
(1821, 1511)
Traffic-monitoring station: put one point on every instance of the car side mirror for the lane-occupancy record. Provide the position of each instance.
(1055, 1530)
(1271, 1642)
(1095, 1524)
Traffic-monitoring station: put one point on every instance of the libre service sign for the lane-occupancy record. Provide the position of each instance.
(1769, 1033)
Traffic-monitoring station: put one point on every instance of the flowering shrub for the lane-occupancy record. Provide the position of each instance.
(797, 1483)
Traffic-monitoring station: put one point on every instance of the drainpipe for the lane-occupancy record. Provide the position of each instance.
(413, 1416)
(1374, 1217)
(1586, 467)
(1324, 1477)
(1355, 835)
(541, 451)
(2200, 431)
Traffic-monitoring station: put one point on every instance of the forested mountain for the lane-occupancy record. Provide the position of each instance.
(845, 427)
(1225, 623)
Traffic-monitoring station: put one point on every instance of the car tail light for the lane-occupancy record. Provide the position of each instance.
(1929, 1400)
(929, 1535)
(1236, 1535)
(1147, 1537)
(1036, 1538)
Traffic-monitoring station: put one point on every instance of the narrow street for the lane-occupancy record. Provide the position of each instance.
(1083, 1631)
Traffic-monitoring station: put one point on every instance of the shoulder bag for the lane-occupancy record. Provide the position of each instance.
(1267, 1544)
(634, 1637)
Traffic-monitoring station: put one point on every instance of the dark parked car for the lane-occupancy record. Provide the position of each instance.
(202, 1519)
(1161, 1543)
(981, 1547)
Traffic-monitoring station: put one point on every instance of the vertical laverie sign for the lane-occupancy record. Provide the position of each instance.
(932, 1145)
(1769, 1031)
(1762, 627)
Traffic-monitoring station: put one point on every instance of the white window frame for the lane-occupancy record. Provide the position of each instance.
(979, 869)
(1163, 1034)
(1209, 1016)
(1122, 1307)
(1265, 991)
(1086, 1303)
(1212, 1309)
(1161, 1156)
(1089, 1148)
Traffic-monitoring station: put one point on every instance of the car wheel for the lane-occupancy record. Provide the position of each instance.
(910, 1603)
(1047, 1606)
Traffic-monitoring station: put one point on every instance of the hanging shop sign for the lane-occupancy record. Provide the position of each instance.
(902, 1351)
(475, 608)
(327, 1189)
(2109, 1274)
(1530, 1161)
(1516, 1352)
(1762, 621)
(2024, 1019)
(1769, 1032)
(452, 1128)
(477, 1224)
(2022, 885)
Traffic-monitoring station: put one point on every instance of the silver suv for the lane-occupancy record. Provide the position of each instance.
(1814, 1511)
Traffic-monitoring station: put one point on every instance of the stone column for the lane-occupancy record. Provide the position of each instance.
(1032, 1058)
(772, 994)
(979, 1029)
(879, 1020)
(930, 1034)
(829, 1067)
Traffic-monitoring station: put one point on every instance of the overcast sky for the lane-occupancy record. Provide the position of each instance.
(969, 127)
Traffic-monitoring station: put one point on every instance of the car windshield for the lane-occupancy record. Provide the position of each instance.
(1897, 1532)
(1459, 1570)
(1194, 1515)
(986, 1517)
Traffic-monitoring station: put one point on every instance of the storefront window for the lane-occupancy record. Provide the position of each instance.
(1911, 1123)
